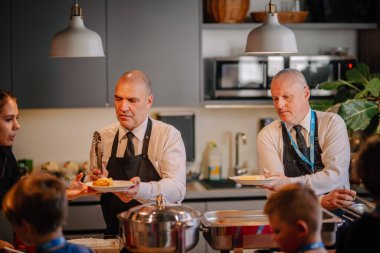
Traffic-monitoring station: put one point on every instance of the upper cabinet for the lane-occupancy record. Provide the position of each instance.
(43, 82)
(5, 46)
(162, 38)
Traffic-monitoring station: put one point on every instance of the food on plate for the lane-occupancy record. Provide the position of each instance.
(103, 181)
(252, 177)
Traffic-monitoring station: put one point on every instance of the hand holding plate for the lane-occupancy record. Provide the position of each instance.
(129, 194)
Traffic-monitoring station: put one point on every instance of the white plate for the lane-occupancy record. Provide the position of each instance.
(253, 179)
(117, 186)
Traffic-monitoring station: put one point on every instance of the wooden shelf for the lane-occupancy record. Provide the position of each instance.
(297, 26)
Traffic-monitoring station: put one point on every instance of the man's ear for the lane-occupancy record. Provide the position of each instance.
(150, 100)
(307, 92)
(302, 228)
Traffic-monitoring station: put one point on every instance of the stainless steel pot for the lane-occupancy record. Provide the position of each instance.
(159, 228)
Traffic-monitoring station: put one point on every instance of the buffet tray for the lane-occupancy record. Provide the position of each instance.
(231, 229)
(356, 210)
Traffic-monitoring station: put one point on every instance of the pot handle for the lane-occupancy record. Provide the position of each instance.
(160, 201)
(203, 228)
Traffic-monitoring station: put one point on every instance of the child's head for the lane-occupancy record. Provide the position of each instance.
(36, 206)
(295, 216)
(367, 166)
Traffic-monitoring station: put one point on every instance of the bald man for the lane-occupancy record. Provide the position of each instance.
(138, 148)
(304, 145)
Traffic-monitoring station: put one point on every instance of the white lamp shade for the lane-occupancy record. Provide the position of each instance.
(76, 41)
(271, 38)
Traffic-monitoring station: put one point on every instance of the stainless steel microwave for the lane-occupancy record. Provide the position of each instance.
(250, 76)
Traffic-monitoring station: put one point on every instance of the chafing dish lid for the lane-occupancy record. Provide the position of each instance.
(153, 213)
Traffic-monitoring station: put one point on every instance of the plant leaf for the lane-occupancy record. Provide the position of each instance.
(330, 85)
(373, 87)
(358, 113)
(359, 74)
(362, 94)
(321, 105)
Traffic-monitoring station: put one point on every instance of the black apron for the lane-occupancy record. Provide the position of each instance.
(293, 164)
(124, 168)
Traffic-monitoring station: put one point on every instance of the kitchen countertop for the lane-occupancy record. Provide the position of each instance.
(196, 191)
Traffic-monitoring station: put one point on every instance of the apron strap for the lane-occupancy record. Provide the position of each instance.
(114, 144)
(147, 137)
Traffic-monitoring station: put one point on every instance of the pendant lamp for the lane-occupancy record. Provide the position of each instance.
(271, 37)
(76, 40)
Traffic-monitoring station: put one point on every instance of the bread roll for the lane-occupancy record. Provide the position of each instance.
(103, 181)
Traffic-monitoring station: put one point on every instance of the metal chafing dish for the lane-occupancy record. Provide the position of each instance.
(360, 206)
(232, 229)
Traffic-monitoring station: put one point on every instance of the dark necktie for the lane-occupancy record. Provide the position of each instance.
(301, 143)
(130, 147)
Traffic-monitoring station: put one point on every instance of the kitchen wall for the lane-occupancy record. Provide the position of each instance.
(65, 134)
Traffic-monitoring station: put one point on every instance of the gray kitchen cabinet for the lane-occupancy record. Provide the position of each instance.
(162, 38)
(77, 219)
(5, 46)
(42, 82)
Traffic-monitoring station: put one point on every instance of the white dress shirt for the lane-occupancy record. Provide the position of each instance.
(166, 152)
(333, 139)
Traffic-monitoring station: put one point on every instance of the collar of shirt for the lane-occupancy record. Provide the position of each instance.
(139, 131)
(305, 123)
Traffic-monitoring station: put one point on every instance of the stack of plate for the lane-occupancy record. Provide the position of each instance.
(99, 245)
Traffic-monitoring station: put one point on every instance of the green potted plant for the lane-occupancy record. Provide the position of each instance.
(358, 99)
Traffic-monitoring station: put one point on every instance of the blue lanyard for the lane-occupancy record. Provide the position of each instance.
(312, 134)
(315, 245)
(53, 244)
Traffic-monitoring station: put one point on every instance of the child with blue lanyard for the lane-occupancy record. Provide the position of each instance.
(36, 206)
(295, 216)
